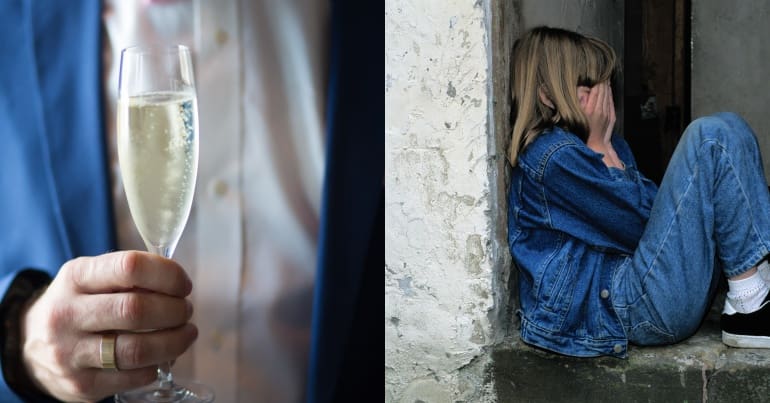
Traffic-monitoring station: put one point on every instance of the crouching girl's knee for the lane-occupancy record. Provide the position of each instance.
(727, 129)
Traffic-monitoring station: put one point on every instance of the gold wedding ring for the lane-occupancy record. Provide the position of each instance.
(107, 351)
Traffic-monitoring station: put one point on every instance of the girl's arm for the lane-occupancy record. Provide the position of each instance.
(584, 199)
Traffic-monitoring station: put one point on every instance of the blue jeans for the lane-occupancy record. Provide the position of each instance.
(711, 215)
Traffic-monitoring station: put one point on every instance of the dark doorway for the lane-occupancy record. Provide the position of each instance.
(656, 80)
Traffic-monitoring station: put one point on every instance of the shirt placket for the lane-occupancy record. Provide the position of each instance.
(219, 209)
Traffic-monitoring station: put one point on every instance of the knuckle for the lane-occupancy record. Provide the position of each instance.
(66, 268)
(129, 264)
(61, 357)
(130, 308)
(60, 317)
(73, 269)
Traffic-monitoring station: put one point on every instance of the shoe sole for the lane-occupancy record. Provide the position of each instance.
(743, 341)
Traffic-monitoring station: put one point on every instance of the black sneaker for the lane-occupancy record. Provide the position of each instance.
(748, 330)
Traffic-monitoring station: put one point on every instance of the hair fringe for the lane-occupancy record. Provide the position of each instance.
(555, 61)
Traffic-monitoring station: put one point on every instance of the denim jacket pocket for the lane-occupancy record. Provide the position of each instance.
(558, 285)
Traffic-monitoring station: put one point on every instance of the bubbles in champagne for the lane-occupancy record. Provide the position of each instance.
(158, 150)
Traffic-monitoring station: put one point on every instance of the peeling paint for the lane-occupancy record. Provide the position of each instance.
(438, 271)
(474, 253)
(479, 336)
(405, 284)
(450, 90)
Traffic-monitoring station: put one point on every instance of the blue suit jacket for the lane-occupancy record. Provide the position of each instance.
(55, 200)
(54, 183)
(347, 361)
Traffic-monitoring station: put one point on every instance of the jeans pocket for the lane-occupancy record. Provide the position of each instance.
(647, 334)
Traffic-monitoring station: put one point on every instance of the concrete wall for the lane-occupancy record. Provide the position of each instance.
(448, 284)
(600, 18)
(730, 52)
(438, 272)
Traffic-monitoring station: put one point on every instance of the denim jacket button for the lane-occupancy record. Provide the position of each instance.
(617, 349)
(604, 294)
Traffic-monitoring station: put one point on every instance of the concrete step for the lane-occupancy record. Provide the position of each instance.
(700, 369)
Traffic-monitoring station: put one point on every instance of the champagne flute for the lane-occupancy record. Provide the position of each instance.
(157, 125)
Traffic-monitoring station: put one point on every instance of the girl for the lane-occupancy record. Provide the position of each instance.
(607, 258)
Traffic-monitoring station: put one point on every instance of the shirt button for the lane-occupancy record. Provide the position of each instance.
(617, 349)
(219, 187)
(221, 37)
(216, 341)
(604, 294)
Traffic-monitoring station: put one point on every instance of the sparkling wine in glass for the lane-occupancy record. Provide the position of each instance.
(157, 126)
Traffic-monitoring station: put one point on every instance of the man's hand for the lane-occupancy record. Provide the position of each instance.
(120, 292)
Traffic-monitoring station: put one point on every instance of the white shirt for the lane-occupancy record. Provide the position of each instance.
(250, 243)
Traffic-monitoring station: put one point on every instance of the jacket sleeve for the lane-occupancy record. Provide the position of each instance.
(16, 287)
(606, 207)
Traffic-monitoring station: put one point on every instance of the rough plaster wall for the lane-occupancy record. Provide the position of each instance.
(438, 272)
(730, 51)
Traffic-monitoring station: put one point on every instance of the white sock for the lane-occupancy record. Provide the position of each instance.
(745, 296)
(764, 271)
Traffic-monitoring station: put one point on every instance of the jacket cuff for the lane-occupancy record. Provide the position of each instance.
(24, 286)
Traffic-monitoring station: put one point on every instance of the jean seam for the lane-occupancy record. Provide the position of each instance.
(756, 257)
(546, 158)
(670, 226)
(748, 263)
(621, 318)
(546, 209)
(536, 325)
(653, 318)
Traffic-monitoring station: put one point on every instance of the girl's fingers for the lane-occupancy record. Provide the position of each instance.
(605, 106)
(610, 114)
(612, 107)
(583, 94)
(593, 99)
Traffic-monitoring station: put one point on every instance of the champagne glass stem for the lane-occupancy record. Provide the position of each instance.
(164, 251)
(165, 378)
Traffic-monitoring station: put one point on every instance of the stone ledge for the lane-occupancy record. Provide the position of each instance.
(699, 369)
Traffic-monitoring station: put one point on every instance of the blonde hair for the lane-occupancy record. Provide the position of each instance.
(554, 61)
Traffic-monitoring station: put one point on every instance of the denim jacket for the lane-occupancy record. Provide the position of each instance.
(572, 222)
